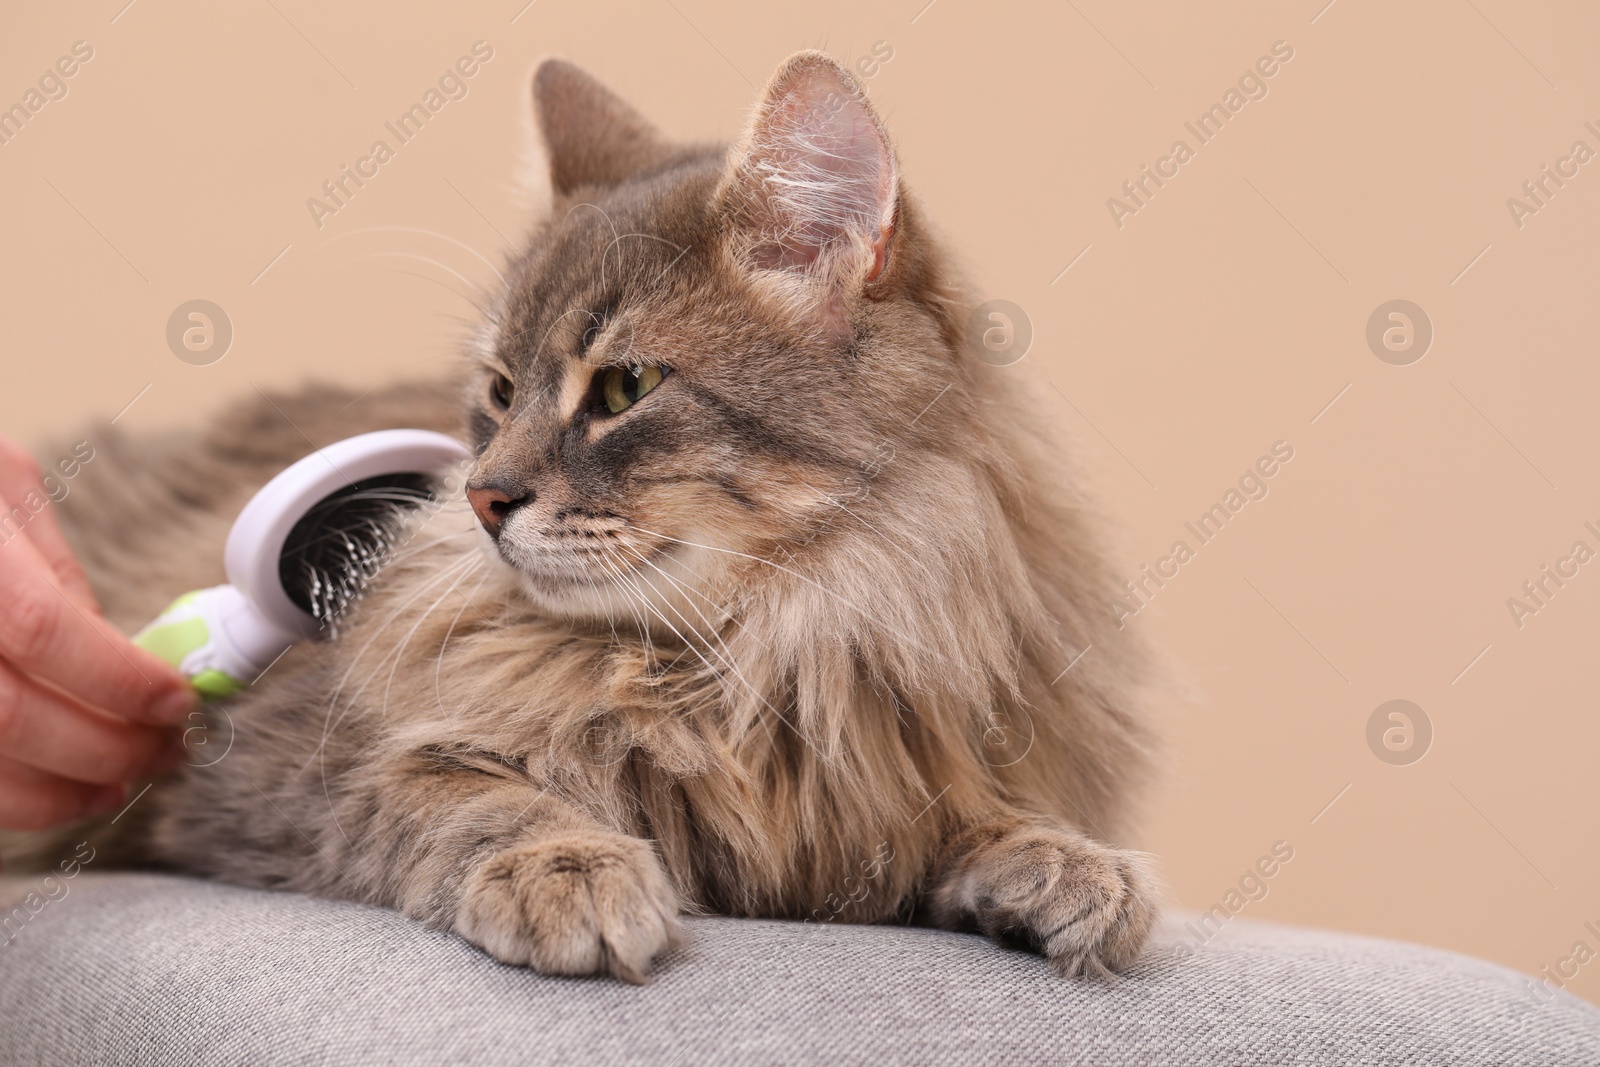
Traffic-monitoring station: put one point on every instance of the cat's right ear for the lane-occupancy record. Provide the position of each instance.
(584, 134)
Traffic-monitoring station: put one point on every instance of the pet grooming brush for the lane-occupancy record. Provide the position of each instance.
(299, 552)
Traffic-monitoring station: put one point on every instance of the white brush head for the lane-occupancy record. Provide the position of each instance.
(254, 556)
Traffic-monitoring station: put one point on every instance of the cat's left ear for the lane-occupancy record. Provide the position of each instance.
(812, 189)
(588, 135)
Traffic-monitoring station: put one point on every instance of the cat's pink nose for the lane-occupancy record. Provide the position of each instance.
(492, 505)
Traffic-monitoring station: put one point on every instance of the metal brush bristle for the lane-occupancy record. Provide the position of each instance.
(340, 545)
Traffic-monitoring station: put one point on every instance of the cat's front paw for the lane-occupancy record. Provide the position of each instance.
(577, 903)
(1087, 906)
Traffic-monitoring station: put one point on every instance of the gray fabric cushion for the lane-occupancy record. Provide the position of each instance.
(140, 969)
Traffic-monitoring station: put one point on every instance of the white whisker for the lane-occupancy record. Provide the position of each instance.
(725, 654)
(329, 722)
(399, 652)
(438, 670)
(786, 570)
(727, 660)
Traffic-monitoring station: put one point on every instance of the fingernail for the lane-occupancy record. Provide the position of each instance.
(175, 706)
(107, 798)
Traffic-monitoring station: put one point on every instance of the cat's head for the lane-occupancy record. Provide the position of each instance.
(706, 357)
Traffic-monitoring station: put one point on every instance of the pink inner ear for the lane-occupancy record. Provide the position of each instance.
(826, 174)
(880, 252)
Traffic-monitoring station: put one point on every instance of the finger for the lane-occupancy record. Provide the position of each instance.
(21, 514)
(44, 634)
(34, 800)
(46, 731)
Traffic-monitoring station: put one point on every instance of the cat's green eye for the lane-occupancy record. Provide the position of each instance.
(621, 387)
(500, 391)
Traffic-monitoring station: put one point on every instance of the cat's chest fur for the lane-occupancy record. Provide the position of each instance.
(696, 747)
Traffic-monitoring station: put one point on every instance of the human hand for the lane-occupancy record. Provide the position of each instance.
(82, 709)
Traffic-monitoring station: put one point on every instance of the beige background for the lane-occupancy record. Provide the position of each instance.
(1223, 317)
